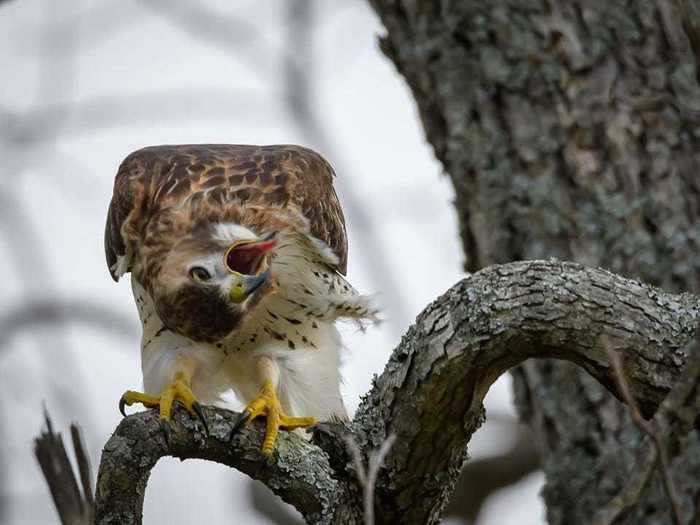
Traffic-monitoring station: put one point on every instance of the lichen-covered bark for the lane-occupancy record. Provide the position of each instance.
(569, 129)
(430, 394)
(300, 473)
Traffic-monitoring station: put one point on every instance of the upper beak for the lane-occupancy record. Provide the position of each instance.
(247, 285)
(264, 245)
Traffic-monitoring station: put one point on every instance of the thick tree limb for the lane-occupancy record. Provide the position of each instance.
(430, 394)
(300, 474)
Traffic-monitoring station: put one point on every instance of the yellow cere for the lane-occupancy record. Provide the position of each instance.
(237, 294)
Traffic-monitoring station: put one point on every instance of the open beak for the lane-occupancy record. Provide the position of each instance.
(246, 260)
(247, 257)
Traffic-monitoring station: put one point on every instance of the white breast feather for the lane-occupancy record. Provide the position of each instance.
(160, 349)
(294, 325)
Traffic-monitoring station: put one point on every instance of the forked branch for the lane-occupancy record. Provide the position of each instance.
(430, 394)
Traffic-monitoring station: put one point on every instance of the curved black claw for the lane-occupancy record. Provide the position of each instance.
(165, 428)
(122, 404)
(269, 459)
(200, 414)
(240, 421)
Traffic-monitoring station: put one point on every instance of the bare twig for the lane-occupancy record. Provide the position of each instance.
(632, 491)
(239, 37)
(33, 313)
(368, 477)
(682, 404)
(84, 469)
(108, 111)
(658, 434)
(73, 506)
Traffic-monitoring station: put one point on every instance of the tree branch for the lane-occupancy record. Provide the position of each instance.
(300, 473)
(430, 394)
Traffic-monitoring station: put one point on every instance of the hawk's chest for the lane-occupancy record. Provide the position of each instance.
(292, 316)
(278, 322)
(150, 322)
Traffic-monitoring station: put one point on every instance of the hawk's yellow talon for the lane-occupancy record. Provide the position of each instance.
(177, 390)
(131, 397)
(267, 404)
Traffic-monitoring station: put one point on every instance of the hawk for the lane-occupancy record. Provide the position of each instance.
(237, 257)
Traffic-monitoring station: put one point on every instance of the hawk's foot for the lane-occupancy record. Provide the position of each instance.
(177, 390)
(268, 404)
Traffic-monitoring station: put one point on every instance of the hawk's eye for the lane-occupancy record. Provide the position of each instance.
(199, 274)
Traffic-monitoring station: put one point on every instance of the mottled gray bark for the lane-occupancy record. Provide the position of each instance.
(300, 474)
(569, 129)
(430, 394)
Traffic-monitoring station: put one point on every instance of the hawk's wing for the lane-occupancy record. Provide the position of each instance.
(285, 176)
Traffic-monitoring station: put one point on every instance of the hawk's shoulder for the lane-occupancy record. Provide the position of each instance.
(222, 176)
(311, 189)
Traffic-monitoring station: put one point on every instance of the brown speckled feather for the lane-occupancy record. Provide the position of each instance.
(220, 182)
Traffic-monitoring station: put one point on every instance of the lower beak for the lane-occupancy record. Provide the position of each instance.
(247, 285)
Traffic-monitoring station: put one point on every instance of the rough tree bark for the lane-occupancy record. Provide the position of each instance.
(430, 394)
(569, 129)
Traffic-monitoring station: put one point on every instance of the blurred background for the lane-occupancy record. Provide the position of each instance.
(86, 82)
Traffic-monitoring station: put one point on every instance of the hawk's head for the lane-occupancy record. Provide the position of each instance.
(209, 280)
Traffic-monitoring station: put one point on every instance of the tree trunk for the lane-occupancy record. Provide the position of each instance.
(569, 130)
